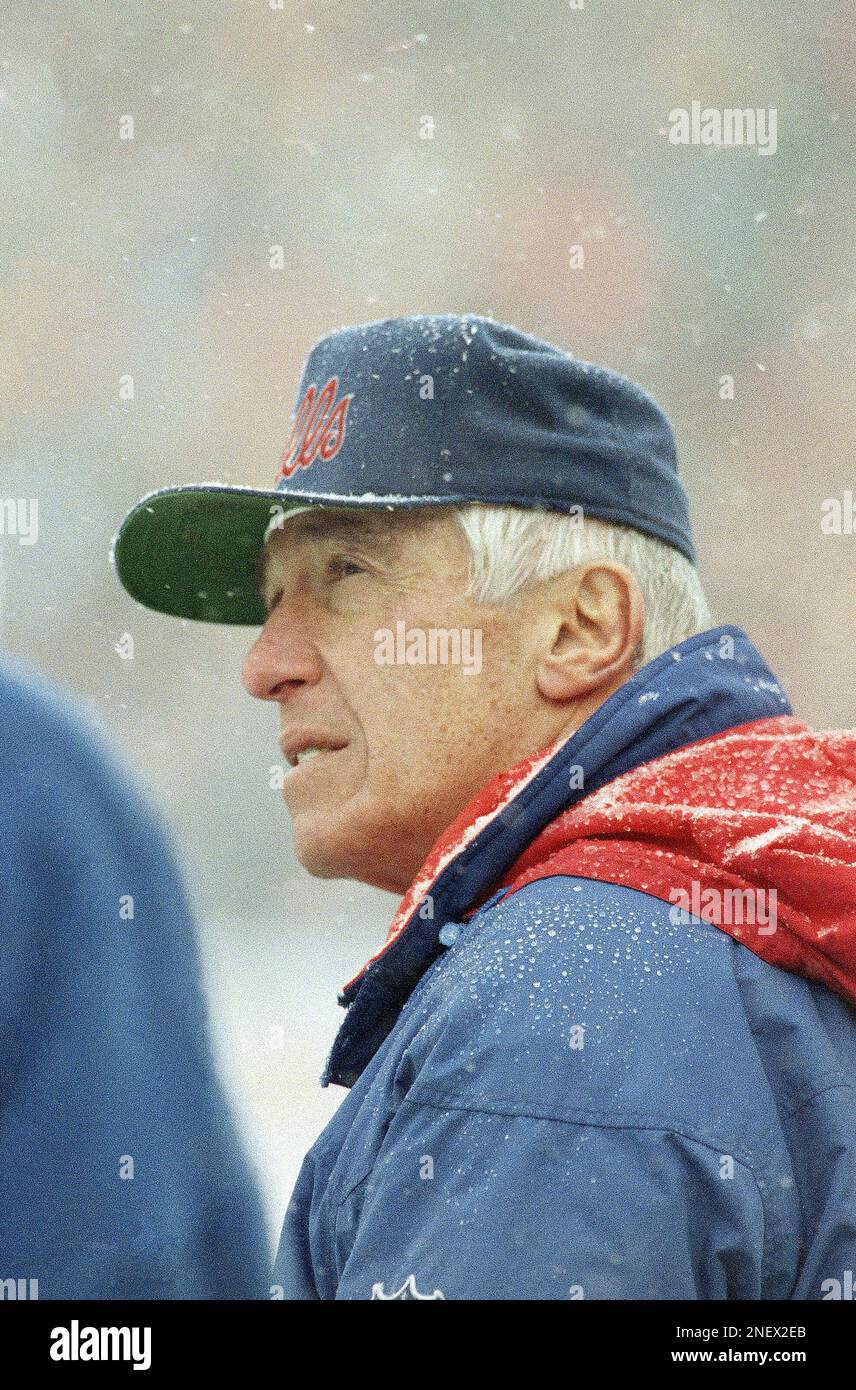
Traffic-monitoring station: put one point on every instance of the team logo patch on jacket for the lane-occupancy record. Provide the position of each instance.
(318, 430)
(407, 1290)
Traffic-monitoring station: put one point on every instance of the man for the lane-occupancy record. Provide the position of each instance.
(122, 1172)
(608, 1049)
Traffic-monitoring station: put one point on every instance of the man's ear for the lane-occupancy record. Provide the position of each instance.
(596, 616)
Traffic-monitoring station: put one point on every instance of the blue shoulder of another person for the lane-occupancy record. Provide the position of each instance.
(123, 1171)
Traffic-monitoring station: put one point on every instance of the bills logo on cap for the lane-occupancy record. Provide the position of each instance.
(318, 430)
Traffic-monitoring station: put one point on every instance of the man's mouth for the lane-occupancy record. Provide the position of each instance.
(307, 753)
(300, 749)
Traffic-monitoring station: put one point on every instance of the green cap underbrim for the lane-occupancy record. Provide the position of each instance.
(194, 551)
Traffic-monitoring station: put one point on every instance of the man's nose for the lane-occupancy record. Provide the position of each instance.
(280, 661)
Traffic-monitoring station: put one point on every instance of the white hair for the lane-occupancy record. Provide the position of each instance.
(512, 547)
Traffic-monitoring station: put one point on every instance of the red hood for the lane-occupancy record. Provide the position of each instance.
(766, 806)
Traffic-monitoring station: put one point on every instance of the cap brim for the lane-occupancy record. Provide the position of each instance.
(193, 551)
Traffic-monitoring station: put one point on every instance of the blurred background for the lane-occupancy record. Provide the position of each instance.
(429, 157)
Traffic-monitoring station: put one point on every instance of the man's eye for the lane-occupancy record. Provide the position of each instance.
(340, 566)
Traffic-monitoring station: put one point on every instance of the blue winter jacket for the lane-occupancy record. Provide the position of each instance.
(121, 1172)
(573, 1092)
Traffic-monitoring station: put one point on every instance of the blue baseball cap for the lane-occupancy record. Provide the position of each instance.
(423, 411)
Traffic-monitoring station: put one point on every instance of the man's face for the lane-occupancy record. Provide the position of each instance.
(403, 747)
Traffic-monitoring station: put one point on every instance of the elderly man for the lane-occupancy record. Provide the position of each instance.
(607, 1050)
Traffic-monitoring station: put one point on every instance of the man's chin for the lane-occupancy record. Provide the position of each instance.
(318, 863)
(323, 857)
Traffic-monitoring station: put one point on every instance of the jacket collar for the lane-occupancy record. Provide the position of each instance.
(712, 682)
